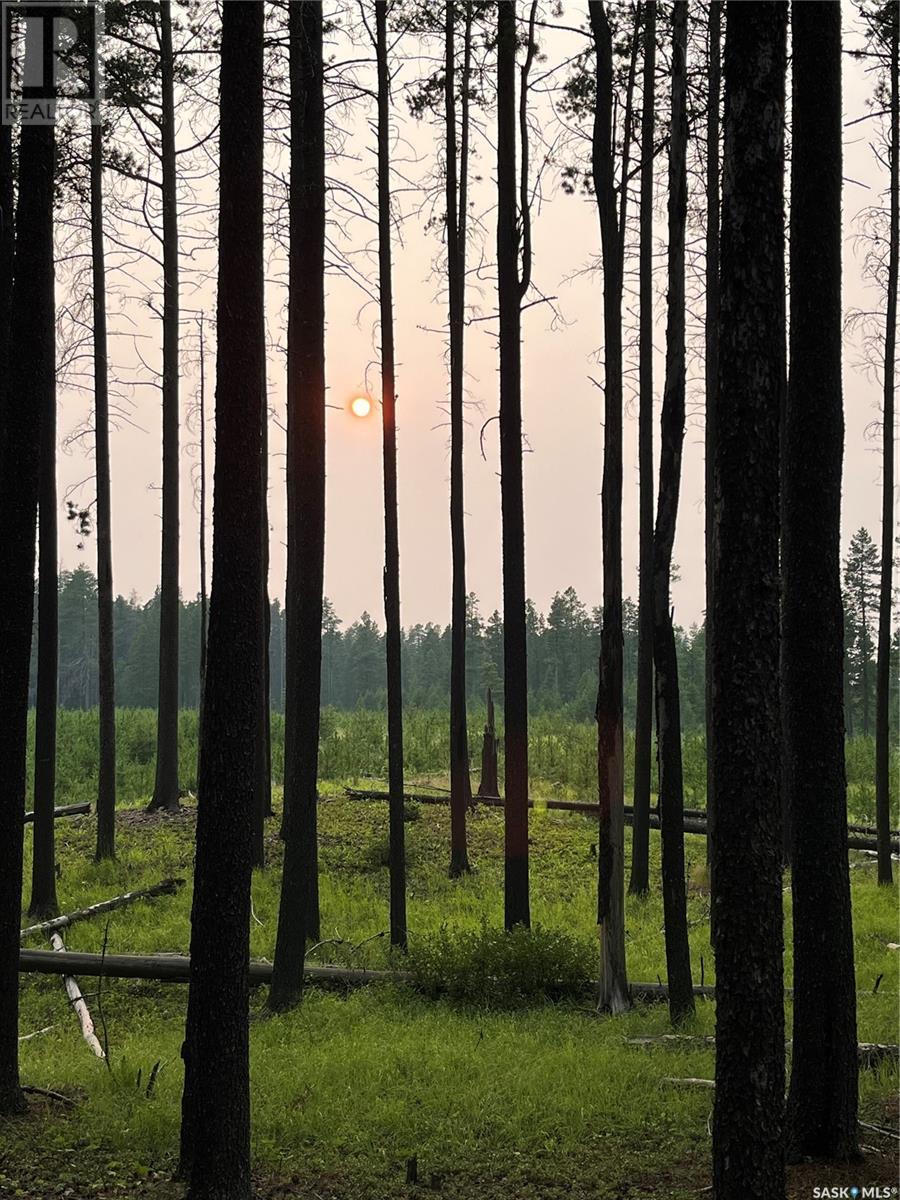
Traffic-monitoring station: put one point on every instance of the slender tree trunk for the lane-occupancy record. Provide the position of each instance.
(866, 649)
(639, 884)
(748, 1151)
(202, 532)
(711, 368)
(457, 200)
(43, 863)
(165, 791)
(515, 663)
(823, 1097)
(298, 916)
(883, 668)
(215, 1141)
(668, 701)
(106, 783)
(30, 379)
(610, 707)
(397, 853)
(7, 261)
(263, 806)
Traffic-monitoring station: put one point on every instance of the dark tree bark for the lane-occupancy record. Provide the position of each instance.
(457, 206)
(202, 532)
(512, 287)
(215, 1143)
(165, 790)
(30, 379)
(711, 366)
(883, 666)
(298, 916)
(639, 883)
(490, 783)
(7, 257)
(823, 1096)
(748, 1152)
(43, 862)
(263, 806)
(392, 639)
(668, 702)
(106, 782)
(610, 704)
(203, 585)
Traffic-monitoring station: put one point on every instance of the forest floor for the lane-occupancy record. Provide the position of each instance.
(495, 1096)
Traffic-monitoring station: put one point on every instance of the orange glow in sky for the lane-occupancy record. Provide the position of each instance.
(361, 406)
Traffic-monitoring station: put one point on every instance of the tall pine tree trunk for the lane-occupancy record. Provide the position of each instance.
(457, 200)
(263, 806)
(298, 916)
(883, 668)
(30, 380)
(215, 1142)
(711, 368)
(7, 258)
(748, 1151)
(668, 701)
(397, 851)
(610, 705)
(165, 790)
(515, 664)
(639, 883)
(823, 1097)
(43, 862)
(106, 783)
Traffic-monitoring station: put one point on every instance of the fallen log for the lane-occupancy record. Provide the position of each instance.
(167, 888)
(67, 810)
(175, 968)
(26, 1037)
(79, 1007)
(871, 1054)
(695, 824)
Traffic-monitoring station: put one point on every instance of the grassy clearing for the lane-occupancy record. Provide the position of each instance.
(539, 1102)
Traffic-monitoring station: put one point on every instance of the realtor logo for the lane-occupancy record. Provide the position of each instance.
(50, 54)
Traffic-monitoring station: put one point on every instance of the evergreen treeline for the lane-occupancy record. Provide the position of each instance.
(563, 647)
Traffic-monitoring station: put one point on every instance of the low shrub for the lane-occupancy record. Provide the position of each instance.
(494, 969)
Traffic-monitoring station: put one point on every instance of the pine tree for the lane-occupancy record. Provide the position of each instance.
(215, 1132)
(748, 1150)
(822, 1102)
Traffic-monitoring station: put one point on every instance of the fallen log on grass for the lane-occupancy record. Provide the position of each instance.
(167, 888)
(79, 1007)
(67, 810)
(175, 968)
(692, 824)
(871, 1054)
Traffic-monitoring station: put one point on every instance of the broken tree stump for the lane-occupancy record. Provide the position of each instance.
(489, 785)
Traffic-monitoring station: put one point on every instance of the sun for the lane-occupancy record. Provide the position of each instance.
(361, 406)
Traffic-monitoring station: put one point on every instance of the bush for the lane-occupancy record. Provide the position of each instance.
(495, 969)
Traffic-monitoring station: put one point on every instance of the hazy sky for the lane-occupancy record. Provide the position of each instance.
(562, 407)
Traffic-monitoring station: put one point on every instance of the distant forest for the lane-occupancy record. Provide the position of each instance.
(563, 648)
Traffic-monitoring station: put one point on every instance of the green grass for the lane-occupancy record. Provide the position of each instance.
(540, 1101)
(353, 745)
